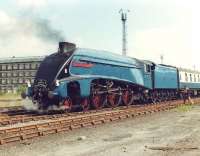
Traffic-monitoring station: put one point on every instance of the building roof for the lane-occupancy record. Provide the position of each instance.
(21, 59)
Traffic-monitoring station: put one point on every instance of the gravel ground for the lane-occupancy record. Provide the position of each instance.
(173, 133)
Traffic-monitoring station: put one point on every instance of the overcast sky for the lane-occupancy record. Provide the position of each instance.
(155, 27)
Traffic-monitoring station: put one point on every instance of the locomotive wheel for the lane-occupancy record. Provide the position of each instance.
(163, 98)
(154, 99)
(96, 101)
(85, 104)
(114, 99)
(127, 98)
(67, 104)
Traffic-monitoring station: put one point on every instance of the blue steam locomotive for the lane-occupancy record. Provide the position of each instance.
(85, 78)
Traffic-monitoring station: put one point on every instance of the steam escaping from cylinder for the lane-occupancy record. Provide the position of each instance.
(28, 105)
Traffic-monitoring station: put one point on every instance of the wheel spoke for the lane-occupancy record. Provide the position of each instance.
(85, 104)
(114, 99)
(127, 97)
(67, 104)
(96, 101)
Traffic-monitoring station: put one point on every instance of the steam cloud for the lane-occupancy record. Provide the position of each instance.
(45, 31)
(27, 35)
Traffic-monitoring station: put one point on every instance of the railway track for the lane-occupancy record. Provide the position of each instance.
(19, 128)
(10, 118)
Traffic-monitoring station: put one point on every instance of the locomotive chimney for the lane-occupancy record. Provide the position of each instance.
(65, 47)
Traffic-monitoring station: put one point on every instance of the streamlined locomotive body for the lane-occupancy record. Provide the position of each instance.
(85, 78)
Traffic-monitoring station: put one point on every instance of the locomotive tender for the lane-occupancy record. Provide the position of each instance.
(86, 78)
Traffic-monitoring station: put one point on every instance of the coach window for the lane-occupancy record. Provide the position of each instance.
(194, 78)
(198, 77)
(186, 77)
(180, 77)
(190, 77)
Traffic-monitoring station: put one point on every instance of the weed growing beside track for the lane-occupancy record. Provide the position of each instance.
(184, 108)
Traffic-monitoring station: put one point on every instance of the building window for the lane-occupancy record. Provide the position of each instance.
(3, 67)
(15, 66)
(21, 66)
(21, 80)
(21, 74)
(33, 65)
(27, 74)
(27, 66)
(14, 81)
(15, 74)
(9, 67)
(9, 74)
(27, 80)
(8, 81)
(3, 74)
(37, 65)
(32, 81)
(3, 81)
(33, 74)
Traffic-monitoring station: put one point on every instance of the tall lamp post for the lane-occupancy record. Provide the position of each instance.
(124, 30)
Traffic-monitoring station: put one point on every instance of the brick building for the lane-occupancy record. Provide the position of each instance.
(16, 71)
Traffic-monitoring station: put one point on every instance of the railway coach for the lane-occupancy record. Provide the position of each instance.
(86, 78)
(189, 80)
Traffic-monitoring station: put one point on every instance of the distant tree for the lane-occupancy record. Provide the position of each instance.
(21, 89)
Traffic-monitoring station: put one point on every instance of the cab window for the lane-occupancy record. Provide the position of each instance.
(147, 68)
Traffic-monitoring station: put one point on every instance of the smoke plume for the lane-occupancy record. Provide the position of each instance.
(27, 35)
